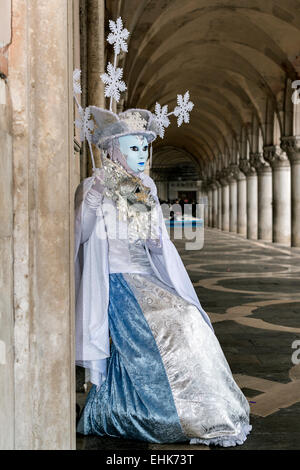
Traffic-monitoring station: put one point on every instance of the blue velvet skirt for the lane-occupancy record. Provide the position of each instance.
(167, 379)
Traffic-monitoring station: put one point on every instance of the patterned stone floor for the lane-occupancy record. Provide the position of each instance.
(250, 289)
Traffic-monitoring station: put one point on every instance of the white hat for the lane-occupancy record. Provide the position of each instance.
(132, 121)
(100, 126)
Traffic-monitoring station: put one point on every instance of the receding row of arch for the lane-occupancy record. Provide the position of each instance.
(237, 58)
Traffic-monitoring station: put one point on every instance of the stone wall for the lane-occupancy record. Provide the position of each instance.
(6, 275)
(37, 372)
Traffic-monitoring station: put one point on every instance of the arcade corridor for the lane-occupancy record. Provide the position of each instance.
(240, 154)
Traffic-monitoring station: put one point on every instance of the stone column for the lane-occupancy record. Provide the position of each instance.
(219, 205)
(210, 204)
(232, 176)
(252, 219)
(163, 190)
(292, 147)
(241, 203)
(199, 199)
(95, 52)
(265, 205)
(6, 274)
(225, 199)
(280, 164)
(40, 88)
(215, 209)
(206, 203)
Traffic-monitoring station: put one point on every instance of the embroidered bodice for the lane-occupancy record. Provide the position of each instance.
(130, 215)
(125, 255)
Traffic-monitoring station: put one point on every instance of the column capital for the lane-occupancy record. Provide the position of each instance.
(223, 176)
(246, 167)
(259, 163)
(206, 183)
(276, 156)
(210, 184)
(291, 145)
(233, 172)
(215, 184)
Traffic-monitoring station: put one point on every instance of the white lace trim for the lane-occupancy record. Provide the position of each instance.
(226, 441)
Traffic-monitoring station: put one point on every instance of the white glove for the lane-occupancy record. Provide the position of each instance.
(92, 202)
(94, 196)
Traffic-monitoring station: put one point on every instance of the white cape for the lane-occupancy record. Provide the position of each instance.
(92, 282)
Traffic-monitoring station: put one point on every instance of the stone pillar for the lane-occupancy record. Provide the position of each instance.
(279, 162)
(232, 177)
(225, 199)
(292, 147)
(210, 205)
(162, 190)
(206, 203)
(265, 205)
(201, 201)
(165, 190)
(219, 205)
(40, 88)
(95, 52)
(241, 203)
(215, 186)
(252, 218)
(6, 275)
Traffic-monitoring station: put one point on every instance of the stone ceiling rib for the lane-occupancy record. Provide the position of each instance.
(232, 55)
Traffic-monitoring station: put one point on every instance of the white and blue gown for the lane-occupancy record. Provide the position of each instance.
(166, 378)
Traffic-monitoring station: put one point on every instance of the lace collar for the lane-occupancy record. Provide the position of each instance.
(118, 183)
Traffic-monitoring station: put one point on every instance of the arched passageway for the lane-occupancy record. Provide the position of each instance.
(240, 61)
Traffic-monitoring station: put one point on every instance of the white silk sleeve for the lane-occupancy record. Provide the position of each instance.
(91, 203)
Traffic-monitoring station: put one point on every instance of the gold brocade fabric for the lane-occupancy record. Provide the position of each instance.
(134, 201)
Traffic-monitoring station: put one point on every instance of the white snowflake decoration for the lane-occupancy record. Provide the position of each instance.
(85, 124)
(183, 109)
(76, 82)
(135, 122)
(114, 86)
(113, 82)
(118, 36)
(161, 117)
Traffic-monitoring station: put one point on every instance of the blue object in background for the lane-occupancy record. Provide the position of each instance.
(184, 223)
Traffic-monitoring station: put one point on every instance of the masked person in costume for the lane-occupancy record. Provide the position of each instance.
(158, 372)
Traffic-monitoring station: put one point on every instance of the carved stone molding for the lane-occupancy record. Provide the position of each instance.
(291, 145)
(246, 167)
(259, 163)
(206, 184)
(276, 156)
(223, 176)
(218, 176)
(215, 184)
(233, 172)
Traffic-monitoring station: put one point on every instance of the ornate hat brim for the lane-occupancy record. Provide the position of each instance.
(111, 126)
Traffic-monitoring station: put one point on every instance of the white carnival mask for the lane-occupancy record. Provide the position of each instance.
(135, 149)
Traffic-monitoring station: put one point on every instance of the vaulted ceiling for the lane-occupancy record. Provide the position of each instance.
(232, 55)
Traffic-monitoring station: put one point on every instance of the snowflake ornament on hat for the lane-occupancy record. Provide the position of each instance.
(100, 126)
